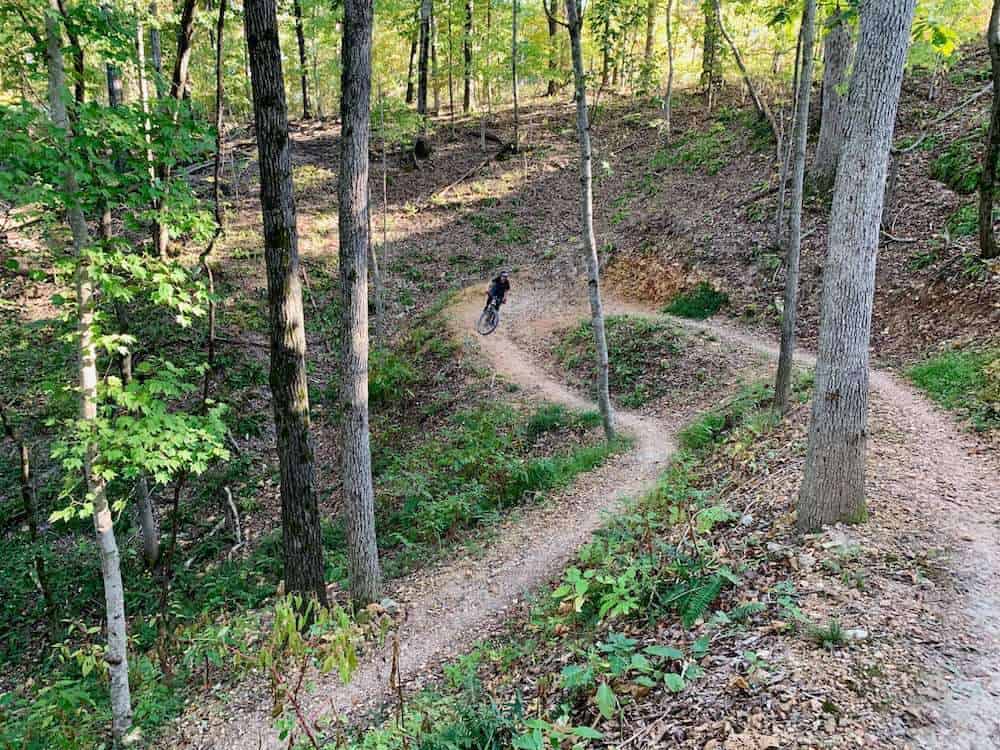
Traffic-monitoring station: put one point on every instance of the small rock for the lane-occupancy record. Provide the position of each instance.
(856, 635)
(806, 560)
(391, 606)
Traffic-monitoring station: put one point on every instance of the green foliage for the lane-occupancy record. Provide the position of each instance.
(966, 381)
(828, 636)
(710, 427)
(639, 349)
(959, 165)
(700, 303)
(389, 375)
(696, 150)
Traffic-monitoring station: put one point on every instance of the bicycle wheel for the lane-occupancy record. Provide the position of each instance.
(488, 321)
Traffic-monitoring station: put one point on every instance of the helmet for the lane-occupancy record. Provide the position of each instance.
(504, 273)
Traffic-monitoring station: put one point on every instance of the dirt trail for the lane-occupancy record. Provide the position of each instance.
(453, 606)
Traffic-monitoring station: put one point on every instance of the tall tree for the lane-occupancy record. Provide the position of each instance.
(551, 8)
(648, 63)
(156, 51)
(800, 136)
(987, 238)
(574, 18)
(668, 96)
(710, 52)
(424, 56)
(758, 102)
(355, 106)
(467, 35)
(513, 75)
(301, 37)
(833, 486)
(116, 655)
(300, 528)
(435, 78)
(838, 47)
(413, 53)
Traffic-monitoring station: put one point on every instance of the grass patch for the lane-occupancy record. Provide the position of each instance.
(698, 304)
(965, 381)
(696, 150)
(958, 166)
(639, 350)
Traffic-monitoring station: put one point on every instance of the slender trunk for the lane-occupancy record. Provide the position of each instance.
(667, 98)
(451, 84)
(79, 68)
(359, 495)
(605, 49)
(409, 70)
(114, 593)
(435, 78)
(31, 514)
(513, 75)
(185, 33)
(467, 57)
(301, 37)
(837, 51)
(220, 100)
(778, 232)
(648, 63)
(303, 547)
(800, 135)
(987, 239)
(833, 484)
(759, 104)
(156, 52)
(487, 83)
(424, 58)
(709, 52)
(550, 14)
(575, 21)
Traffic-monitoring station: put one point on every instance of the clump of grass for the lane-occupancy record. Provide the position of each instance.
(746, 406)
(828, 636)
(698, 304)
(966, 381)
(958, 166)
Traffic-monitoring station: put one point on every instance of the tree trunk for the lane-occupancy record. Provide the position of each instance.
(833, 485)
(359, 495)
(778, 232)
(575, 22)
(759, 104)
(409, 70)
(435, 78)
(79, 68)
(709, 52)
(987, 240)
(837, 51)
(513, 75)
(451, 77)
(301, 37)
(116, 655)
(649, 65)
(303, 548)
(156, 51)
(800, 136)
(553, 23)
(668, 97)
(467, 57)
(424, 58)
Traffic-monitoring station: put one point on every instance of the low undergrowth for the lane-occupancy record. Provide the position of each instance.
(700, 303)
(965, 381)
(636, 615)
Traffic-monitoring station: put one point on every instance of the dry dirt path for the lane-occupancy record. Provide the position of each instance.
(450, 607)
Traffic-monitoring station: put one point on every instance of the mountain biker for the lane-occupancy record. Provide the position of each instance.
(499, 287)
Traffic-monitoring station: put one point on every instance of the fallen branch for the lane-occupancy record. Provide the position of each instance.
(507, 148)
(893, 238)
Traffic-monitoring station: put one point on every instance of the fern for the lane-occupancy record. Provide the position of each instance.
(700, 598)
(746, 611)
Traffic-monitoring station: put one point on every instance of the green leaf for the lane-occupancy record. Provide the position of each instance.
(674, 682)
(588, 733)
(665, 652)
(606, 700)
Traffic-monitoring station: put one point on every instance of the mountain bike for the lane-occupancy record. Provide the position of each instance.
(490, 318)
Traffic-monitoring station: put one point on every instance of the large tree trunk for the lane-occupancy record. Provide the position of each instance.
(303, 548)
(833, 486)
(987, 239)
(424, 56)
(114, 592)
(301, 37)
(668, 96)
(575, 22)
(800, 136)
(837, 51)
(467, 57)
(359, 495)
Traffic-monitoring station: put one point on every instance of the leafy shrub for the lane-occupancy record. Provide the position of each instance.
(958, 166)
(702, 302)
(388, 375)
(966, 381)
(696, 150)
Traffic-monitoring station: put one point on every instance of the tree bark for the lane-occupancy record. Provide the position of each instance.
(833, 485)
(451, 77)
(513, 75)
(116, 655)
(156, 51)
(359, 495)
(668, 96)
(800, 136)
(409, 70)
(424, 58)
(435, 78)
(649, 65)
(467, 57)
(303, 550)
(778, 232)
(575, 22)
(79, 68)
(709, 52)
(553, 26)
(301, 37)
(837, 52)
(987, 239)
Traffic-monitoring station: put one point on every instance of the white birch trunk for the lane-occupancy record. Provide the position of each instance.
(833, 486)
(575, 22)
(114, 592)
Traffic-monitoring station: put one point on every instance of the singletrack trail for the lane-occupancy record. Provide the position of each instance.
(452, 606)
